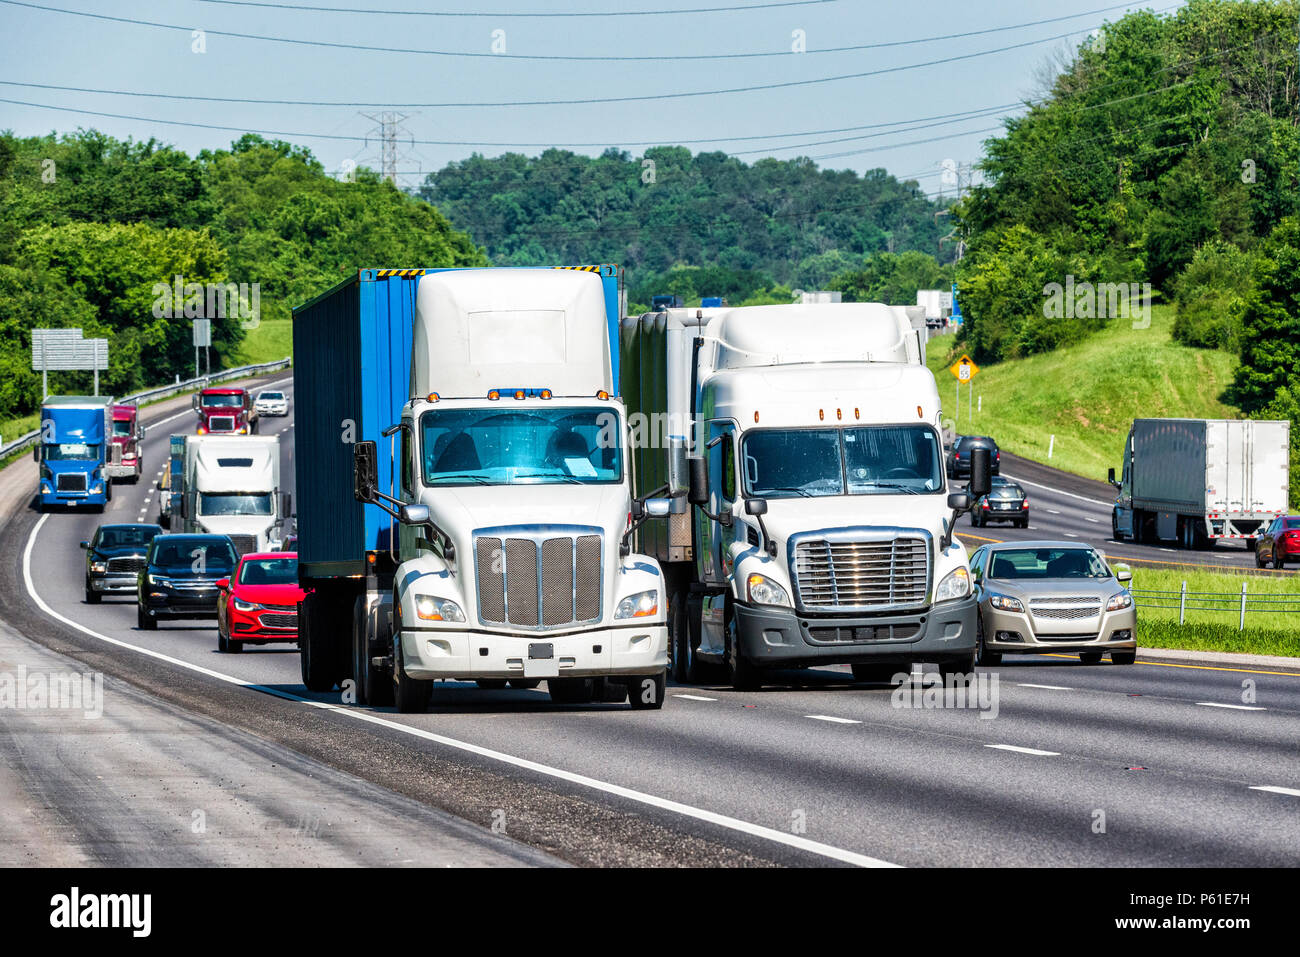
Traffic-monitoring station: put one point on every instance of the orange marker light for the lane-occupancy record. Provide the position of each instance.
(602, 395)
(756, 415)
(855, 413)
(838, 414)
(434, 397)
(546, 393)
(519, 393)
(494, 395)
(821, 414)
(918, 413)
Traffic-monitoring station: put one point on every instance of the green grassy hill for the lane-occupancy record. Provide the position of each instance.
(1088, 394)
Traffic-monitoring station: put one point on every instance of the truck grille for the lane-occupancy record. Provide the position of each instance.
(539, 582)
(221, 423)
(1065, 609)
(244, 543)
(862, 575)
(125, 565)
(71, 482)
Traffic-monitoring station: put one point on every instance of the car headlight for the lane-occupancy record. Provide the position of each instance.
(1006, 603)
(956, 584)
(763, 591)
(1119, 602)
(99, 567)
(641, 605)
(157, 579)
(241, 605)
(437, 609)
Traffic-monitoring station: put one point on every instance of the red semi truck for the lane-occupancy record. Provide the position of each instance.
(225, 411)
(125, 459)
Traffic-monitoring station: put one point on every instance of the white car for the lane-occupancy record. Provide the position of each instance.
(271, 403)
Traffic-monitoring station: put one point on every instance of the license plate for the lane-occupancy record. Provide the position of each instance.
(541, 649)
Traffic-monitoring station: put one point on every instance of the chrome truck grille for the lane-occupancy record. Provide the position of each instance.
(1065, 609)
(537, 578)
(244, 543)
(844, 571)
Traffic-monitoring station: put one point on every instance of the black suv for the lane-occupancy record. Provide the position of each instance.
(114, 558)
(959, 454)
(180, 577)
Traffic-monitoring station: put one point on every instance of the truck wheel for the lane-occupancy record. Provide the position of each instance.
(874, 674)
(962, 668)
(1090, 657)
(490, 684)
(1114, 527)
(145, 621)
(410, 695)
(92, 596)
(525, 684)
(686, 668)
(319, 657)
(740, 670)
(360, 649)
(647, 693)
(570, 690)
(1123, 657)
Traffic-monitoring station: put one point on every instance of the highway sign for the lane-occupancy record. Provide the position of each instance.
(963, 369)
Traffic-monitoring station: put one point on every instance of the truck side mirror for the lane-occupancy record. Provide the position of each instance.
(699, 488)
(959, 502)
(658, 507)
(981, 473)
(414, 514)
(365, 471)
(1110, 477)
(139, 432)
(286, 505)
(36, 453)
(194, 402)
(755, 506)
(679, 479)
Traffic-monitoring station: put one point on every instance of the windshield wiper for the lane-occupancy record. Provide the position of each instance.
(473, 478)
(553, 475)
(904, 488)
(783, 488)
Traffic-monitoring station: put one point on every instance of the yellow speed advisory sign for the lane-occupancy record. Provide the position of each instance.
(964, 369)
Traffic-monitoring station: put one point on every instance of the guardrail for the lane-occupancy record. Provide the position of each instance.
(163, 392)
(1186, 601)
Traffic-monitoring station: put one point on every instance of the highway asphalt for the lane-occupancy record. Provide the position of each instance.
(1066, 764)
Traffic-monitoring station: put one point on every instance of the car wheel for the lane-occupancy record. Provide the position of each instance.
(973, 523)
(984, 656)
(1090, 657)
(223, 645)
(1123, 657)
(92, 596)
(491, 684)
(145, 621)
(525, 684)
(234, 647)
(1259, 562)
(1279, 560)
(647, 693)
(875, 674)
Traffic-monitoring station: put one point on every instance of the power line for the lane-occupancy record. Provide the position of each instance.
(657, 58)
(521, 14)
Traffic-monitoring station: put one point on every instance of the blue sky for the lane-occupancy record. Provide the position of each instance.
(40, 46)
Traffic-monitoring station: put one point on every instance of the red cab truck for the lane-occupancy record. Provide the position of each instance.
(225, 411)
(124, 454)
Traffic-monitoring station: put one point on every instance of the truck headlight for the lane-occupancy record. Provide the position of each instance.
(437, 609)
(763, 591)
(641, 605)
(99, 567)
(956, 584)
(1119, 602)
(241, 605)
(1006, 603)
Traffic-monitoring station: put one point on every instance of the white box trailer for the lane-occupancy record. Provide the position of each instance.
(1195, 481)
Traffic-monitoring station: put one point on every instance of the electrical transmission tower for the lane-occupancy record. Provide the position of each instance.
(395, 146)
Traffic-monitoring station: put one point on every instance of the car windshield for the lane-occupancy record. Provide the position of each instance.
(527, 447)
(234, 503)
(126, 535)
(1022, 564)
(199, 555)
(122, 427)
(1291, 523)
(871, 460)
(273, 396)
(269, 571)
(70, 452)
(223, 401)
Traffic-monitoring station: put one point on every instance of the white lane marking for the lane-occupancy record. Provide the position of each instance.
(1054, 511)
(1273, 789)
(1055, 491)
(1025, 684)
(147, 500)
(1235, 707)
(831, 718)
(1071, 535)
(664, 804)
(1095, 521)
(694, 697)
(1018, 750)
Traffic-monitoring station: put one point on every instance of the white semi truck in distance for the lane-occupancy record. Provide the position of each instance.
(232, 487)
(1196, 481)
(812, 520)
(513, 495)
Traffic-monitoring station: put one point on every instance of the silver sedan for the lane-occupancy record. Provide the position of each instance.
(1038, 597)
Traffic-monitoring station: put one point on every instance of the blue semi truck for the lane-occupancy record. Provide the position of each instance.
(438, 424)
(73, 451)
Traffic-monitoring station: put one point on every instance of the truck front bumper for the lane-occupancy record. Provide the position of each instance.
(640, 649)
(773, 637)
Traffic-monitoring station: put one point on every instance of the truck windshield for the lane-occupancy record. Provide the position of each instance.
(122, 427)
(525, 447)
(70, 451)
(870, 460)
(223, 401)
(234, 503)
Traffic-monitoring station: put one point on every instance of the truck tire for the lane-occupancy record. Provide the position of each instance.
(571, 690)
(740, 670)
(323, 662)
(525, 684)
(491, 684)
(647, 693)
(874, 674)
(1114, 526)
(410, 695)
(962, 667)
(686, 667)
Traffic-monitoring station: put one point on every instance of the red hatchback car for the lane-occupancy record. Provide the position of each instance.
(1280, 542)
(258, 603)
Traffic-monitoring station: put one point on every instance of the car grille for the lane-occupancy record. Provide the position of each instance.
(866, 575)
(276, 620)
(1065, 609)
(125, 565)
(71, 482)
(539, 583)
(244, 543)
(287, 609)
(221, 423)
(865, 633)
